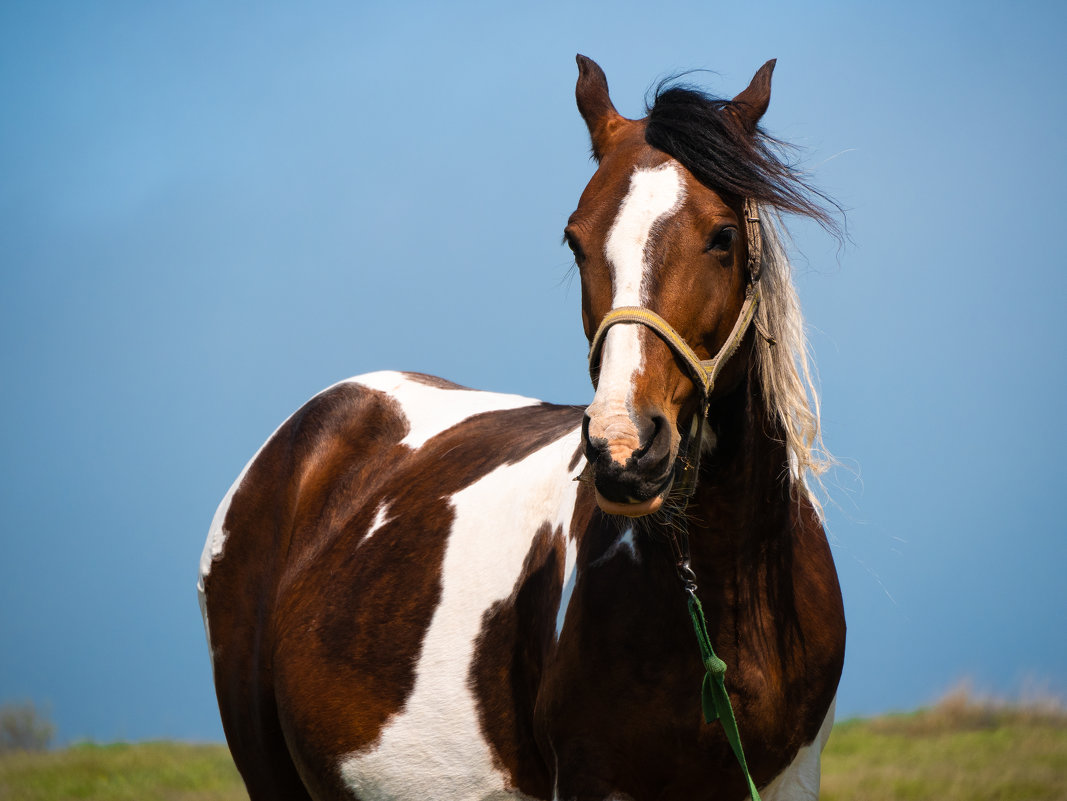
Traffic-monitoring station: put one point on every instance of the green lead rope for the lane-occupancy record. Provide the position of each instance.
(714, 699)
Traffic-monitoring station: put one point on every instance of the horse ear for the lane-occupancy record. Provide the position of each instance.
(595, 105)
(752, 103)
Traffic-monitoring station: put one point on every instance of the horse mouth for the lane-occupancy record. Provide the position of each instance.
(634, 508)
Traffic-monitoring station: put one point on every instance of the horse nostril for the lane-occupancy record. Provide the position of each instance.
(593, 447)
(651, 431)
(659, 425)
(658, 455)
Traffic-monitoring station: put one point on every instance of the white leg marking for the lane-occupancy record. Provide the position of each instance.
(800, 780)
(431, 410)
(434, 748)
(653, 194)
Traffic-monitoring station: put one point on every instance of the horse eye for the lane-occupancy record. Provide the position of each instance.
(574, 245)
(723, 239)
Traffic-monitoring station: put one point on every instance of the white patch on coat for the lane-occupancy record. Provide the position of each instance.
(570, 578)
(434, 747)
(625, 544)
(431, 410)
(800, 780)
(653, 194)
(381, 517)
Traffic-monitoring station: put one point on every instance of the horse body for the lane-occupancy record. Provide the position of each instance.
(419, 591)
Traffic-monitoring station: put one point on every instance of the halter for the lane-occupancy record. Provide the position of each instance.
(703, 372)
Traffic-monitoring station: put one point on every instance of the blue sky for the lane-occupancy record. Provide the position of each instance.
(209, 212)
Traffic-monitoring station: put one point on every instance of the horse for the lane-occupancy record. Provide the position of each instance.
(415, 590)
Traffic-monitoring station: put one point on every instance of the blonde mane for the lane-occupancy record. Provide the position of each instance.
(784, 367)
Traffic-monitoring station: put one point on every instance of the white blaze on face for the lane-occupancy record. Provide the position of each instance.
(653, 195)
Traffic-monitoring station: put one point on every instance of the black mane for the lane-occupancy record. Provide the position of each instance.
(708, 136)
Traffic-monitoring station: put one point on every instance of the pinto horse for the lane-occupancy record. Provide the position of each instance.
(420, 591)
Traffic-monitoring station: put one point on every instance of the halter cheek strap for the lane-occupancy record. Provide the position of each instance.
(703, 372)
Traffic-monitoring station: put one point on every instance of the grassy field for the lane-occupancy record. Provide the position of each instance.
(122, 772)
(959, 749)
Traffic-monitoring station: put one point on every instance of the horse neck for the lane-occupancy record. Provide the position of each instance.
(764, 571)
(745, 507)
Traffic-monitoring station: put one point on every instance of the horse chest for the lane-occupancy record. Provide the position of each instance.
(619, 709)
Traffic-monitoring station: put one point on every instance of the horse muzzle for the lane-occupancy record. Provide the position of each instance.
(632, 463)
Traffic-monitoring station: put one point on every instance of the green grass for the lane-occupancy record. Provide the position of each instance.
(958, 750)
(122, 772)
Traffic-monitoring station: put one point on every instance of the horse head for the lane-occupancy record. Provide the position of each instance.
(671, 249)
